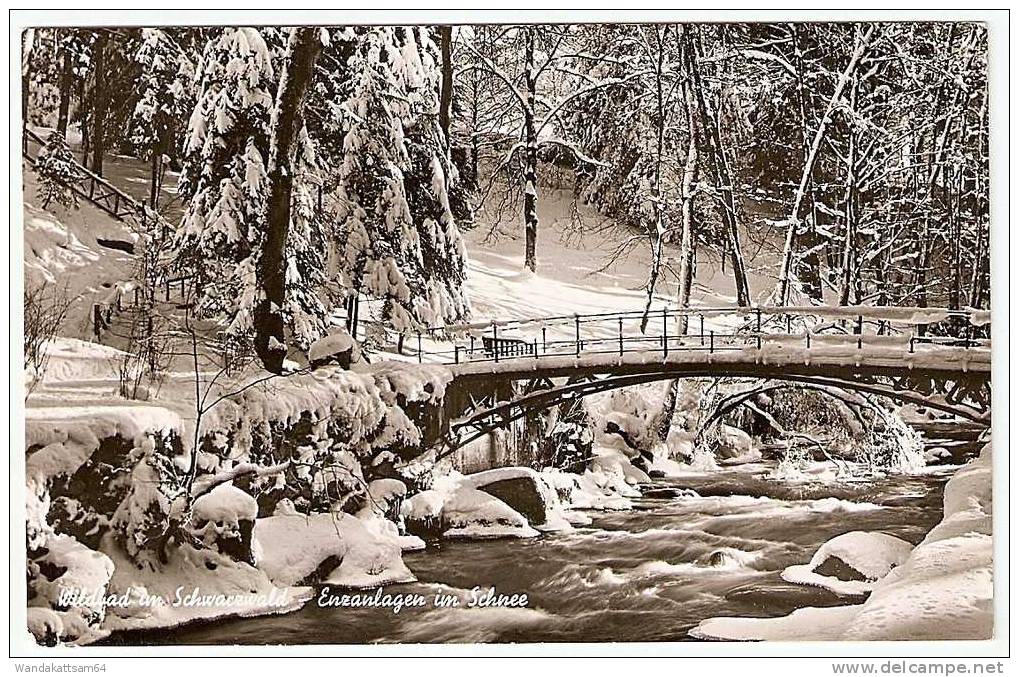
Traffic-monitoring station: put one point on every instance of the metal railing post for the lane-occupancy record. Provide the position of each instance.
(620, 336)
(495, 341)
(576, 320)
(534, 347)
(911, 339)
(544, 349)
(758, 312)
(702, 328)
(419, 346)
(456, 354)
(665, 331)
(711, 345)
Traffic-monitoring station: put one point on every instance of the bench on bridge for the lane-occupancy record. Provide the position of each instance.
(505, 347)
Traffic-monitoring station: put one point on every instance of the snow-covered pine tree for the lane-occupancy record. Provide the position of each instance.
(225, 184)
(398, 238)
(57, 170)
(430, 180)
(165, 99)
(223, 181)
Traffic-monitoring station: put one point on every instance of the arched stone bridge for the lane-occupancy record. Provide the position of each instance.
(936, 358)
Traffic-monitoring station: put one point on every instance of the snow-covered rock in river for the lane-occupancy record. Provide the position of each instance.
(460, 511)
(589, 491)
(526, 491)
(851, 563)
(732, 443)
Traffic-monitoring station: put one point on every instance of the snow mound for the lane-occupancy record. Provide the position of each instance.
(225, 504)
(192, 585)
(869, 556)
(363, 552)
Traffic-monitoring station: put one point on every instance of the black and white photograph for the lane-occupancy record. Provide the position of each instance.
(507, 332)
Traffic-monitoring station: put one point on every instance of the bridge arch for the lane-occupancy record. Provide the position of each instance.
(487, 419)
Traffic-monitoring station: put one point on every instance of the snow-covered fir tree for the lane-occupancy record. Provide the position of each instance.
(57, 170)
(225, 183)
(398, 238)
(165, 99)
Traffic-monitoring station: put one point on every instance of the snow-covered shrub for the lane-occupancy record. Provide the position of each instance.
(58, 171)
(45, 310)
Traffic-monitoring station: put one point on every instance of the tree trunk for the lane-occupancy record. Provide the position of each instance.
(27, 43)
(530, 157)
(99, 104)
(724, 186)
(657, 231)
(446, 85)
(663, 421)
(66, 81)
(270, 339)
(849, 245)
(156, 171)
(686, 241)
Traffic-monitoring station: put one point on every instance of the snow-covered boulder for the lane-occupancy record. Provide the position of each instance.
(224, 519)
(733, 443)
(524, 490)
(614, 462)
(851, 563)
(471, 513)
(460, 511)
(582, 492)
(338, 347)
(335, 548)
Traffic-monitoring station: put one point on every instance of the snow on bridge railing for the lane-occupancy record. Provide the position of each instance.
(669, 329)
(887, 316)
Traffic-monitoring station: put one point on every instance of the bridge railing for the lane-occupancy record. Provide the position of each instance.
(709, 330)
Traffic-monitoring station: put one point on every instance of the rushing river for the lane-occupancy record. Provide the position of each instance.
(646, 574)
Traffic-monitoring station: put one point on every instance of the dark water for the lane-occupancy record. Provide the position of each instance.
(647, 574)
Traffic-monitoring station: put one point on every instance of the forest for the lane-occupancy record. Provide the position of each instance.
(847, 162)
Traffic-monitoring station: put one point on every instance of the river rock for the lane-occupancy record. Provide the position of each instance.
(471, 513)
(526, 492)
(733, 443)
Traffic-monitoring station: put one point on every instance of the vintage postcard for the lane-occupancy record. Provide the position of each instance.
(508, 333)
